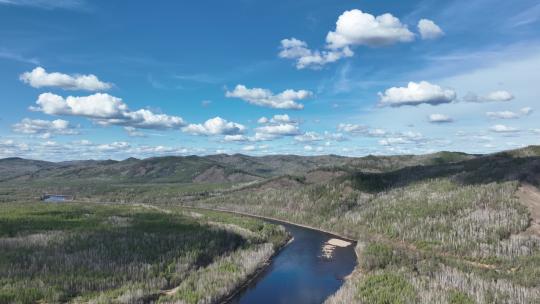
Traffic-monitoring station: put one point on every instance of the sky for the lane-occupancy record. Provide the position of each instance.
(116, 79)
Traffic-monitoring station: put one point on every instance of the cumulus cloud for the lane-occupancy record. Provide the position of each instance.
(355, 27)
(278, 118)
(495, 96)
(114, 147)
(429, 30)
(439, 118)
(39, 78)
(276, 127)
(363, 130)
(306, 58)
(309, 137)
(105, 109)
(503, 129)
(262, 120)
(415, 94)
(265, 98)
(281, 118)
(44, 128)
(215, 126)
(282, 129)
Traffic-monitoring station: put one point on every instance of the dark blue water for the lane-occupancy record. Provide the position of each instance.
(299, 274)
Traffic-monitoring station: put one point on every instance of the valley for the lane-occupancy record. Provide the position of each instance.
(439, 228)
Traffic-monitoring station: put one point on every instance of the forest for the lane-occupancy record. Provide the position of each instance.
(97, 253)
(438, 228)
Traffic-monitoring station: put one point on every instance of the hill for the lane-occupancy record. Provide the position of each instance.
(446, 227)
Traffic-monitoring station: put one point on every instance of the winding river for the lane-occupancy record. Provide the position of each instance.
(300, 273)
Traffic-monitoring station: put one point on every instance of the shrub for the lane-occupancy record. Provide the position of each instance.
(386, 288)
(458, 297)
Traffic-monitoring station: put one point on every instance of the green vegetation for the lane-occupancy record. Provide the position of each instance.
(124, 253)
(440, 228)
(457, 297)
(386, 288)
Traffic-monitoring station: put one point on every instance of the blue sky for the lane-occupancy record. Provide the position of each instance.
(114, 79)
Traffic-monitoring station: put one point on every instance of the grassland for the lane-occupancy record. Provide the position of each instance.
(96, 253)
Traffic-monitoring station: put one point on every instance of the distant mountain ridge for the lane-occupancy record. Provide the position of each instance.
(223, 168)
(212, 168)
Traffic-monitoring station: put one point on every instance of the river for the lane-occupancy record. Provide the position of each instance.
(300, 273)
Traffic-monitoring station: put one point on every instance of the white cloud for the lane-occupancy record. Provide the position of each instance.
(352, 128)
(133, 132)
(376, 132)
(526, 111)
(403, 138)
(39, 78)
(282, 129)
(263, 120)
(439, 118)
(355, 27)
(114, 147)
(335, 136)
(83, 142)
(307, 58)
(495, 96)
(503, 115)
(357, 129)
(415, 94)
(429, 30)
(265, 98)
(262, 136)
(156, 150)
(499, 96)
(44, 128)
(105, 109)
(393, 141)
(284, 118)
(237, 137)
(215, 126)
(16, 56)
(11, 148)
(249, 148)
(509, 114)
(309, 137)
(84, 149)
(503, 129)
